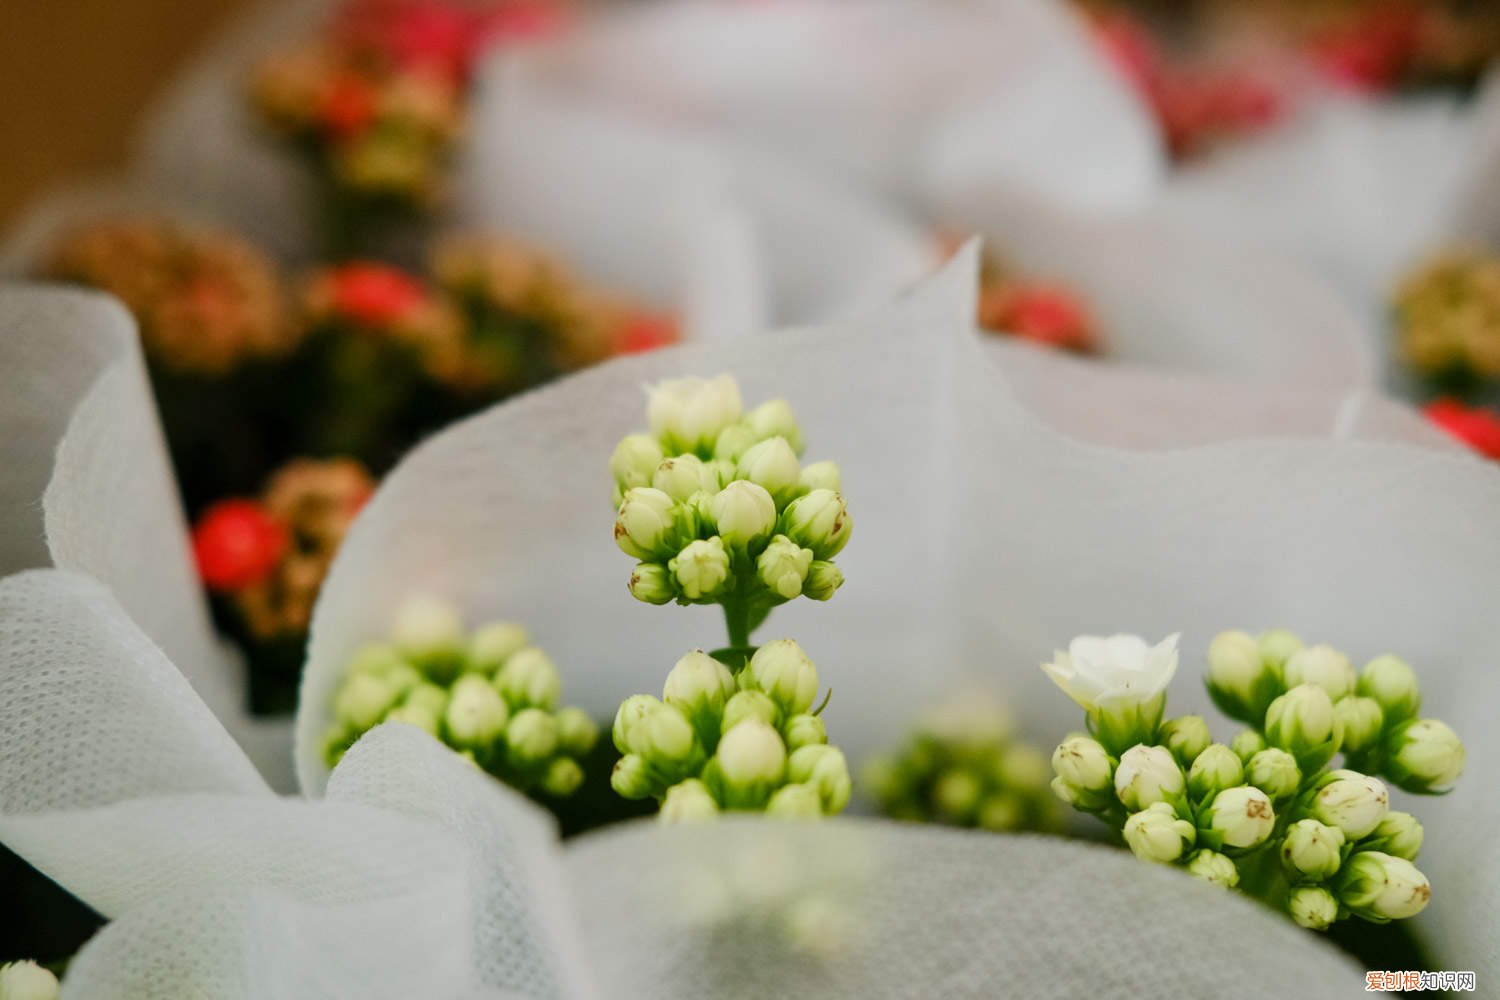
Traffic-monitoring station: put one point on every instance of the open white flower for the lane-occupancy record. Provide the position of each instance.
(1099, 672)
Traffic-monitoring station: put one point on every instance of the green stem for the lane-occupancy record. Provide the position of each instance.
(737, 621)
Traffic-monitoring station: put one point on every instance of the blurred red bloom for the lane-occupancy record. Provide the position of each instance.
(1474, 425)
(1044, 314)
(441, 34)
(1368, 53)
(645, 332)
(237, 543)
(373, 294)
(349, 106)
(1130, 48)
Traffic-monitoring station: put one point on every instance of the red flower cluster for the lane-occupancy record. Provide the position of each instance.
(644, 332)
(237, 543)
(440, 35)
(1371, 51)
(1045, 314)
(372, 294)
(1475, 426)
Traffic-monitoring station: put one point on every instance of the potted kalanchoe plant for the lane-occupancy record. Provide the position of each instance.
(1265, 813)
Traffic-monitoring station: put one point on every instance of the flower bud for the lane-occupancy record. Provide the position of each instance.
(1311, 850)
(743, 513)
(1353, 802)
(363, 700)
(1424, 756)
(1302, 722)
(795, 802)
(1361, 720)
(1313, 907)
(820, 476)
(562, 778)
(668, 740)
(1215, 769)
(1147, 775)
(1239, 681)
(732, 442)
(956, 794)
(804, 731)
(1277, 646)
(1322, 665)
(1158, 834)
(423, 718)
(1213, 867)
(1246, 744)
(652, 583)
(688, 801)
(529, 680)
(1399, 834)
(774, 418)
(27, 981)
(699, 685)
(750, 705)
(629, 731)
(1083, 765)
(650, 524)
(1186, 736)
(576, 732)
(491, 645)
(773, 465)
(633, 778)
(428, 696)
(1021, 767)
(1274, 772)
(751, 755)
(701, 569)
(823, 580)
(688, 414)
(376, 658)
(683, 476)
(783, 567)
(476, 715)
(634, 461)
(1238, 818)
(785, 673)
(1393, 685)
(1382, 887)
(428, 629)
(531, 737)
(825, 768)
(819, 521)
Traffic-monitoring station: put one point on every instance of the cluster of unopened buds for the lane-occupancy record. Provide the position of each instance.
(748, 740)
(962, 766)
(717, 508)
(1448, 318)
(489, 694)
(1264, 812)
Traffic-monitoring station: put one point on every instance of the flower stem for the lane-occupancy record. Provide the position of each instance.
(737, 621)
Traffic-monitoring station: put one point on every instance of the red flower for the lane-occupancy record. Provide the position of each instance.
(373, 294)
(442, 35)
(1044, 314)
(1473, 425)
(1368, 54)
(644, 332)
(237, 543)
(1130, 48)
(349, 106)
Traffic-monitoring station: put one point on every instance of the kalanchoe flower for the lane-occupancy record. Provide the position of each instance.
(237, 543)
(1120, 682)
(1361, 720)
(1215, 769)
(1085, 772)
(1399, 834)
(1158, 834)
(1312, 851)
(1303, 723)
(1424, 756)
(1393, 684)
(688, 414)
(1382, 887)
(1213, 867)
(1237, 819)
(1313, 907)
(27, 981)
(490, 695)
(1241, 679)
(1353, 802)
(1321, 665)
(700, 571)
(1186, 736)
(1146, 776)
(1448, 317)
(1274, 772)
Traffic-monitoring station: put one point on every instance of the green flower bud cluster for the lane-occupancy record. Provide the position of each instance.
(489, 694)
(717, 740)
(962, 767)
(1265, 812)
(717, 508)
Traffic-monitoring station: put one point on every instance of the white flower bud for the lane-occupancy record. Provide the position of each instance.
(1213, 867)
(1246, 744)
(529, 680)
(376, 658)
(428, 628)
(743, 513)
(820, 476)
(752, 755)
(1186, 736)
(699, 685)
(750, 705)
(795, 802)
(420, 716)
(1084, 765)
(27, 981)
(804, 731)
(1000, 812)
(783, 567)
(1361, 721)
(1239, 818)
(562, 778)
(956, 795)
(785, 673)
(683, 476)
(823, 580)
(1303, 723)
(531, 737)
(1324, 666)
(825, 768)
(1277, 646)
(1214, 770)
(633, 778)
(491, 645)
(476, 714)
(1022, 767)
(1353, 802)
(773, 465)
(1424, 756)
(701, 569)
(1391, 682)
(1313, 907)
(628, 732)
(1312, 850)
(668, 740)
(652, 583)
(1158, 834)
(634, 461)
(1399, 834)
(576, 732)
(650, 524)
(774, 418)
(427, 696)
(689, 413)
(363, 700)
(1147, 775)
(688, 801)
(1239, 680)
(1381, 887)
(819, 521)
(733, 441)
(1274, 772)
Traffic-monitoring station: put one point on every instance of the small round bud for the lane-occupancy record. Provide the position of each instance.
(423, 718)
(1361, 720)
(956, 794)
(1239, 681)
(652, 583)
(428, 696)
(1213, 867)
(377, 658)
(683, 476)
(628, 732)
(667, 739)
(1393, 684)
(491, 645)
(633, 778)
(783, 567)
(688, 801)
(825, 768)
(1239, 818)
(701, 569)
(1399, 834)
(27, 981)
(1324, 666)
(804, 731)
(750, 705)
(1277, 646)
(1186, 736)
(1158, 834)
(823, 580)
(476, 715)
(1381, 887)
(529, 680)
(1246, 744)
(1214, 770)
(785, 673)
(688, 414)
(1312, 850)
(752, 755)
(732, 442)
(562, 778)
(1302, 722)
(1274, 772)
(772, 464)
(531, 737)
(427, 628)
(649, 524)
(743, 513)
(1353, 802)
(576, 732)
(1082, 763)
(363, 700)
(634, 461)
(795, 802)
(820, 476)
(1313, 907)
(1021, 767)
(774, 418)
(1147, 775)
(1424, 756)
(819, 521)
(1000, 812)
(699, 685)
